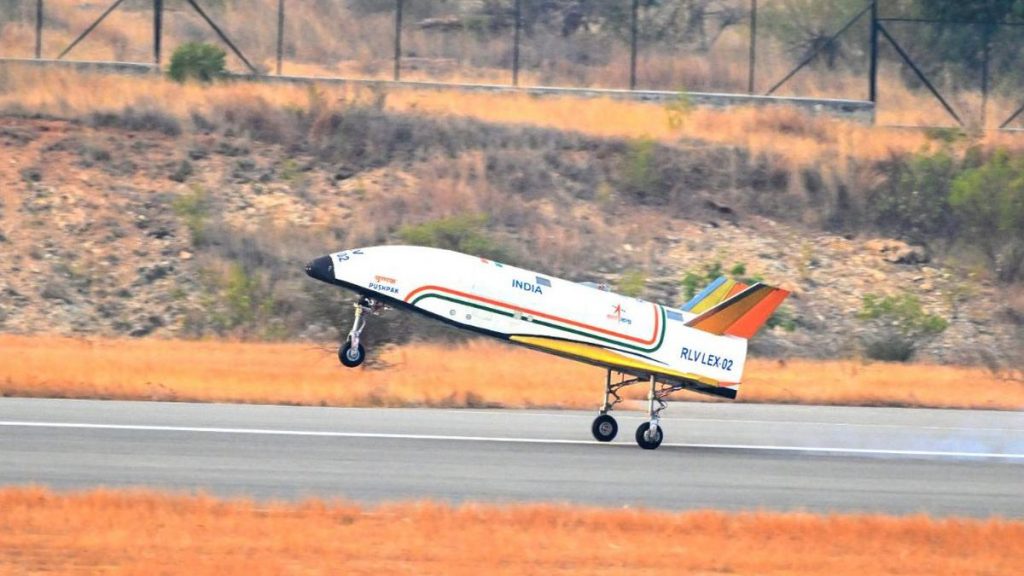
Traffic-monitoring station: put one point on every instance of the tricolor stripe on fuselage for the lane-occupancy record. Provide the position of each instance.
(651, 344)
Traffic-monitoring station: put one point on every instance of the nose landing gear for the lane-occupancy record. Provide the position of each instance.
(352, 353)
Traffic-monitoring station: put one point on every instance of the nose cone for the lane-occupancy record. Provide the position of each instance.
(321, 268)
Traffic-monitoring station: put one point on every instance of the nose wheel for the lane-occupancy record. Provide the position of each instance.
(351, 356)
(352, 353)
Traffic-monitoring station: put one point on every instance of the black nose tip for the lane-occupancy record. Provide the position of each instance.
(321, 268)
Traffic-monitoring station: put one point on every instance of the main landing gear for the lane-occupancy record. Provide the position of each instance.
(352, 353)
(649, 435)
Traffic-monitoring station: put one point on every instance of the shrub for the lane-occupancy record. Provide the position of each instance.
(149, 119)
(989, 203)
(695, 282)
(194, 208)
(631, 283)
(639, 170)
(197, 61)
(678, 109)
(912, 200)
(899, 324)
(246, 301)
(463, 233)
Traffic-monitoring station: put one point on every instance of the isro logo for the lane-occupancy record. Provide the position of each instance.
(618, 315)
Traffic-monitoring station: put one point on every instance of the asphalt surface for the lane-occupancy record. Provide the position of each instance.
(727, 456)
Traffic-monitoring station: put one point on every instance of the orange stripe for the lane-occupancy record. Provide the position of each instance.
(748, 325)
(654, 337)
(718, 319)
(739, 287)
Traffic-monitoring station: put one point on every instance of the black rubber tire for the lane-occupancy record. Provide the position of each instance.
(641, 437)
(604, 428)
(354, 359)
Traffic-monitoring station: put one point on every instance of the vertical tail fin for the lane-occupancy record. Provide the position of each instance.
(718, 291)
(743, 314)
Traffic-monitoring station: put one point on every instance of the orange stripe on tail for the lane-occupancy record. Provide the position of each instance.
(739, 287)
(743, 314)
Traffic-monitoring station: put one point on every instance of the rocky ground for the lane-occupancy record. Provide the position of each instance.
(114, 231)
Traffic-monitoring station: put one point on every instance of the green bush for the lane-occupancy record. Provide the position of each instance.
(246, 301)
(194, 208)
(197, 61)
(462, 233)
(912, 201)
(631, 283)
(694, 282)
(899, 324)
(988, 201)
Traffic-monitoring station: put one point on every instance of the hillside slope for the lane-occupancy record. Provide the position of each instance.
(137, 223)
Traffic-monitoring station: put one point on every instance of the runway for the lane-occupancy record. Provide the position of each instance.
(725, 456)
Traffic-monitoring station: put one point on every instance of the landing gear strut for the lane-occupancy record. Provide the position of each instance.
(649, 435)
(352, 353)
(605, 427)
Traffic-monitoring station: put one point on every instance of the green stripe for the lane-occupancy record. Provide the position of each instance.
(575, 331)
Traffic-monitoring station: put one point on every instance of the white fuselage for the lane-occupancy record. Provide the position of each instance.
(505, 301)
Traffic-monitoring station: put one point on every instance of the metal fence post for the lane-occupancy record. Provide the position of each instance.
(280, 33)
(752, 61)
(985, 54)
(515, 42)
(632, 44)
(158, 10)
(398, 40)
(39, 29)
(873, 67)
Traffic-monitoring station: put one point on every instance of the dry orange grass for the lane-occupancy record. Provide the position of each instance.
(139, 532)
(480, 373)
(789, 134)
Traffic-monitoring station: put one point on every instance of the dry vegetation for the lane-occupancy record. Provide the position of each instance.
(138, 532)
(277, 173)
(788, 134)
(479, 373)
(355, 39)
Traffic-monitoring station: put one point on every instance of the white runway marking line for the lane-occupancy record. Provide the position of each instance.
(327, 434)
(498, 412)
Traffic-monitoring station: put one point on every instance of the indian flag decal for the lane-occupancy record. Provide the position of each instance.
(562, 324)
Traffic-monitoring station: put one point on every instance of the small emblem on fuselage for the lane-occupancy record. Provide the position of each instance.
(619, 315)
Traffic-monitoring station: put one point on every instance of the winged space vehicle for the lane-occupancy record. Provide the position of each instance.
(701, 346)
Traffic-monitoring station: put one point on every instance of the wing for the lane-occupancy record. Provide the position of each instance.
(603, 357)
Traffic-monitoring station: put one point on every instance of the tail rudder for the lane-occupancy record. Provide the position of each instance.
(713, 294)
(743, 314)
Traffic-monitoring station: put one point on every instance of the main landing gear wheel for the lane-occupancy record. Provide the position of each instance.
(649, 434)
(351, 356)
(646, 439)
(604, 428)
